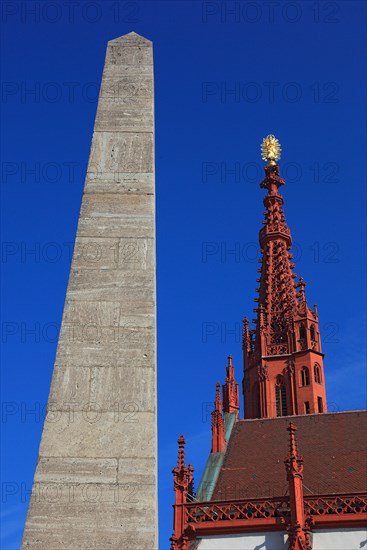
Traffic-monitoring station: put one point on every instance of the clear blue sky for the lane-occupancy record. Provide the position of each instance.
(223, 80)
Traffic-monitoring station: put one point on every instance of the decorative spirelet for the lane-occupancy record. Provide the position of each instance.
(270, 149)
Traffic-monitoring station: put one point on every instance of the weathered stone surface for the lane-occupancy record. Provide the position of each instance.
(69, 386)
(136, 226)
(86, 282)
(132, 254)
(111, 506)
(114, 153)
(77, 470)
(136, 471)
(95, 485)
(129, 120)
(112, 206)
(135, 183)
(104, 388)
(90, 433)
(127, 498)
(111, 346)
(127, 88)
(103, 313)
(109, 387)
(139, 289)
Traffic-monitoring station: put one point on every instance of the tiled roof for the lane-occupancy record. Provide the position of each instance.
(333, 446)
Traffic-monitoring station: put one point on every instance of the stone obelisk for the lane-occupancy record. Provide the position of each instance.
(95, 485)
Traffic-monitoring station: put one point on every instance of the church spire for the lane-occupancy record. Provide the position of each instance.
(286, 338)
(277, 291)
(231, 400)
(183, 487)
(299, 526)
(218, 442)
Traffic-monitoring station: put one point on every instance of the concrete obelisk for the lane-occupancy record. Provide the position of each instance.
(95, 485)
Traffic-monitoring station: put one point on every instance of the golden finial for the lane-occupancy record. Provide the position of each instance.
(270, 149)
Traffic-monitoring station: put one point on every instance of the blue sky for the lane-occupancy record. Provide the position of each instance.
(226, 74)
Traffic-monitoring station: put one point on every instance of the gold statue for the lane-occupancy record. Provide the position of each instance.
(270, 149)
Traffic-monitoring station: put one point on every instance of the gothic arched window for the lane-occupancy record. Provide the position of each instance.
(302, 331)
(317, 373)
(279, 332)
(305, 376)
(313, 333)
(281, 398)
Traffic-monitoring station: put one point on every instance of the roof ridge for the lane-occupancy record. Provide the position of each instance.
(295, 416)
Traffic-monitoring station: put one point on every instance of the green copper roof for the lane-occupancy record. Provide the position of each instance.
(214, 463)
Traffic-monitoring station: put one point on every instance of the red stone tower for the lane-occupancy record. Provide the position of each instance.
(283, 362)
(243, 499)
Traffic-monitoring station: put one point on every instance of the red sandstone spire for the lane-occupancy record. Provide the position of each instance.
(283, 373)
(218, 442)
(277, 292)
(246, 336)
(182, 475)
(181, 454)
(231, 401)
(299, 528)
(183, 486)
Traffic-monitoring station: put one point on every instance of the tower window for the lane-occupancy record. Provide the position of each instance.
(317, 373)
(256, 397)
(313, 333)
(307, 407)
(320, 404)
(279, 332)
(305, 376)
(281, 399)
(302, 332)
